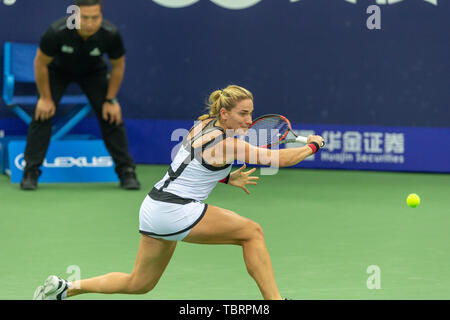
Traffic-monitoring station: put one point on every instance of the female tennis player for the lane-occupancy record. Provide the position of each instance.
(174, 209)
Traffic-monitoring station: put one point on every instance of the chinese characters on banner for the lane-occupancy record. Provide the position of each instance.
(359, 147)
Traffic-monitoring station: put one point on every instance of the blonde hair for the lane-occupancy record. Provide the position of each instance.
(225, 98)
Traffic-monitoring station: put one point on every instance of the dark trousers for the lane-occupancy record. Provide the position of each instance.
(95, 87)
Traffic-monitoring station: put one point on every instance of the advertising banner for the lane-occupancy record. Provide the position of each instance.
(67, 161)
(383, 148)
(380, 148)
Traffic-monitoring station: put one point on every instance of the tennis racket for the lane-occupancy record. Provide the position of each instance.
(273, 129)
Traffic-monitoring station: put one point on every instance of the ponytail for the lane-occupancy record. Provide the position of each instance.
(225, 98)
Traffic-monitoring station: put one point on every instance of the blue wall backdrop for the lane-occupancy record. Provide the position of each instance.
(312, 60)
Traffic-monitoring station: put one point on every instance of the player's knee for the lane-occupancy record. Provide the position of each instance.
(255, 231)
(259, 233)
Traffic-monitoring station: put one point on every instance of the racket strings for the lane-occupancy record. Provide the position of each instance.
(267, 131)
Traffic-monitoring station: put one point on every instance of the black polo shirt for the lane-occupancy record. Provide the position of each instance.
(74, 55)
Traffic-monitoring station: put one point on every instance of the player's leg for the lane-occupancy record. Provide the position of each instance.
(152, 259)
(221, 226)
(39, 133)
(95, 86)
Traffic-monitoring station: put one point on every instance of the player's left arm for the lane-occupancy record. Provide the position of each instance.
(238, 178)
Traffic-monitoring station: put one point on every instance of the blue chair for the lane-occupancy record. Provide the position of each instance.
(19, 69)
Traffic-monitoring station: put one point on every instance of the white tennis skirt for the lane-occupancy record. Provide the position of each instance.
(169, 221)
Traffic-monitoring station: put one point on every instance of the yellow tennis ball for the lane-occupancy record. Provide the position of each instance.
(413, 200)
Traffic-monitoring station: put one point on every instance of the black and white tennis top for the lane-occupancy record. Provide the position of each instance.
(189, 177)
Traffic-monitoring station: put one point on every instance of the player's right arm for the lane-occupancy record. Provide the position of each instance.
(248, 153)
(45, 107)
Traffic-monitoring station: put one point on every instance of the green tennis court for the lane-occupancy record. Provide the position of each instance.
(324, 229)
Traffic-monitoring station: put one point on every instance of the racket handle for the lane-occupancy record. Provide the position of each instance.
(305, 140)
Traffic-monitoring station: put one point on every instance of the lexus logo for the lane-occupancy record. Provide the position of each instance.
(19, 161)
(69, 162)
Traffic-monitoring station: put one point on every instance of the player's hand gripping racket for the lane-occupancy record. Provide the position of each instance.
(273, 129)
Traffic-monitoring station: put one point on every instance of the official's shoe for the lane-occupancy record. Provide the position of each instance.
(29, 180)
(53, 289)
(128, 179)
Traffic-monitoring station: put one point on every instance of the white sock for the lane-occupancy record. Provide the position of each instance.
(64, 294)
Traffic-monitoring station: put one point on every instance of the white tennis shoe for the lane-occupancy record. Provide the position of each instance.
(53, 289)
